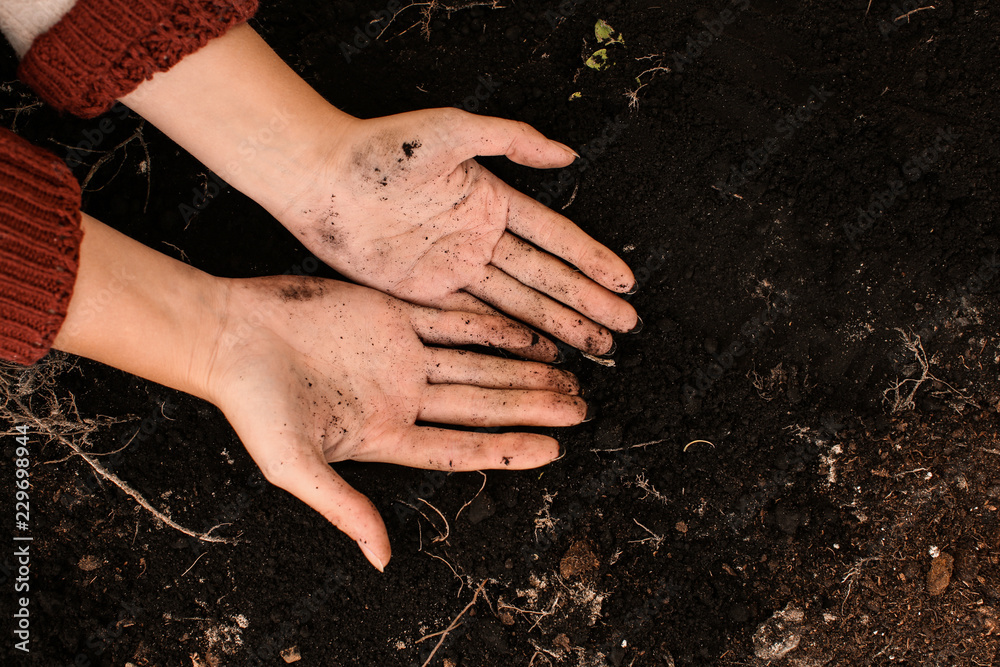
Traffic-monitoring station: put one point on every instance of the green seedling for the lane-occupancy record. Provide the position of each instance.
(605, 34)
(599, 60)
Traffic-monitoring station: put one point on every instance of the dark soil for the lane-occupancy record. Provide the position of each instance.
(793, 195)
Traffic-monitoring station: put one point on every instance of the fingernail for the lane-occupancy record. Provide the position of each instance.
(562, 453)
(591, 413)
(611, 352)
(567, 149)
(638, 326)
(372, 558)
(635, 288)
(560, 357)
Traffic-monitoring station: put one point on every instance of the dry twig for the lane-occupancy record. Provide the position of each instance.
(641, 444)
(428, 12)
(144, 166)
(657, 540)
(21, 389)
(461, 581)
(908, 14)
(901, 401)
(647, 486)
(473, 497)
(451, 626)
(447, 529)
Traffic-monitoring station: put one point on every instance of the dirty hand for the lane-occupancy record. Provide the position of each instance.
(312, 371)
(402, 206)
(396, 203)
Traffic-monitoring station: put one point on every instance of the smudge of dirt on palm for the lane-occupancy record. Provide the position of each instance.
(300, 291)
(410, 147)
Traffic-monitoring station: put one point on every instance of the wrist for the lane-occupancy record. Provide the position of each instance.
(142, 312)
(238, 108)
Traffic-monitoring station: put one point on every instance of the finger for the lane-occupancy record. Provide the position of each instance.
(443, 449)
(464, 405)
(556, 234)
(538, 310)
(466, 303)
(440, 327)
(313, 481)
(460, 367)
(550, 276)
(521, 143)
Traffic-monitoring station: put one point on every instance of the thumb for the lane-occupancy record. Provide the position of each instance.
(313, 481)
(521, 143)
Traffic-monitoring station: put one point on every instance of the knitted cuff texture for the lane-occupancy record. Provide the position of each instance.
(40, 238)
(102, 50)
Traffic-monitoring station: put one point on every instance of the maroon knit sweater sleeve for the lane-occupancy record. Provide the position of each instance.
(40, 238)
(103, 49)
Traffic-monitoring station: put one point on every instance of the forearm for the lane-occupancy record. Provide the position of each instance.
(238, 108)
(142, 312)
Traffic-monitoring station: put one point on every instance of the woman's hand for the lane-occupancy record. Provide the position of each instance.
(395, 203)
(312, 371)
(401, 206)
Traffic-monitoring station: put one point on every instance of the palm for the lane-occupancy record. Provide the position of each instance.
(311, 372)
(404, 208)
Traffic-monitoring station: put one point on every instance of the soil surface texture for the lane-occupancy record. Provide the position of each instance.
(794, 463)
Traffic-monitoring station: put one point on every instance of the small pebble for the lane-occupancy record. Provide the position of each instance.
(779, 635)
(940, 573)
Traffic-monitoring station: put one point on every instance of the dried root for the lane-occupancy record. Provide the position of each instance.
(900, 395)
(28, 397)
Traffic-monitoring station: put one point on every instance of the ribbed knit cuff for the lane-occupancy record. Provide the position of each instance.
(102, 50)
(40, 238)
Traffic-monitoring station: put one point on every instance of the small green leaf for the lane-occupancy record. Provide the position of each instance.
(605, 34)
(599, 60)
(603, 31)
(575, 96)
